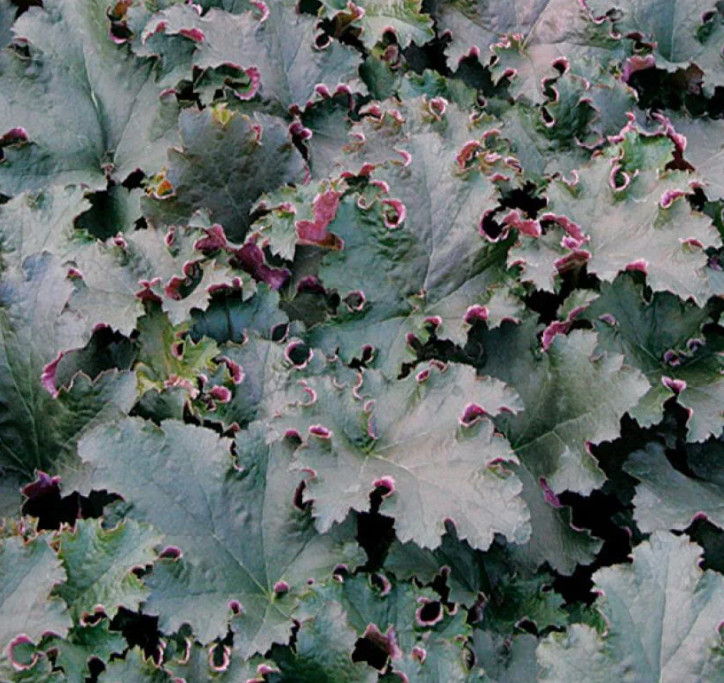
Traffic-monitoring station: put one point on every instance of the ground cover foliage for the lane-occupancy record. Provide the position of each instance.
(364, 341)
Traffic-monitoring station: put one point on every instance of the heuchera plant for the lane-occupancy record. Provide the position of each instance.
(357, 341)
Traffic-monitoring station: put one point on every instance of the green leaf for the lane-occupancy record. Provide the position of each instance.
(235, 318)
(259, 360)
(40, 221)
(407, 250)
(105, 292)
(281, 48)
(709, 56)
(478, 24)
(667, 499)
(29, 571)
(404, 18)
(554, 538)
(235, 524)
(663, 615)
(422, 639)
(704, 151)
(43, 221)
(167, 358)
(374, 261)
(675, 32)
(133, 668)
(241, 157)
(543, 150)
(38, 431)
(168, 266)
(379, 434)
(323, 648)
(328, 119)
(40, 667)
(84, 643)
(7, 18)
(99, 564)
(634, 216)
(663, 338)
(114, 210)
(197, 663)
(465, 576)
(572, 45)
(572, 398)
(505, 660)
(118, 121)
(670, 25)
(507, 591)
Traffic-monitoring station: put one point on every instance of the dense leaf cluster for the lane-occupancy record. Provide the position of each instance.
(361, 341)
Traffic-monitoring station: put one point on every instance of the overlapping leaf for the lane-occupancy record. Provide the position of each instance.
(99, 566)
(667, 499)
(477, 25)
(572, 397)
(633, 215)
(663, 337)
(703, 151)
(412, 629)
(404, 18)
(279, 52)
(378, 434)
(677, 33)
(226, 162)
(663, 614)
(233, 524)
(344, 228)
(29, 573)
(119, 120)
(409, 251)
(494, 579)
(36, 430)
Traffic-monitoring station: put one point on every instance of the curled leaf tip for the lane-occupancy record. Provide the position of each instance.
(171, 552)
(475, 313)
(281, 587)
(320, 431)
(221, 394)
(640, 265)
(676, 385)
(555, 328)
(669, 197)
(219, 657)
(262, 7)
(419, 653)
(472, 414)
(635, 64)
(298, 354)
(422, 376)
(19, 642)
(355, 301)
(315, 233)
(195, 34)
(550, 497)
(385, 485)
(236, 372)
(525, 226)
(47, 377)
(394, 214)
(14, 136)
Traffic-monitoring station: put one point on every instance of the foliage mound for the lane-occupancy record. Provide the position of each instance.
(364, 341)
